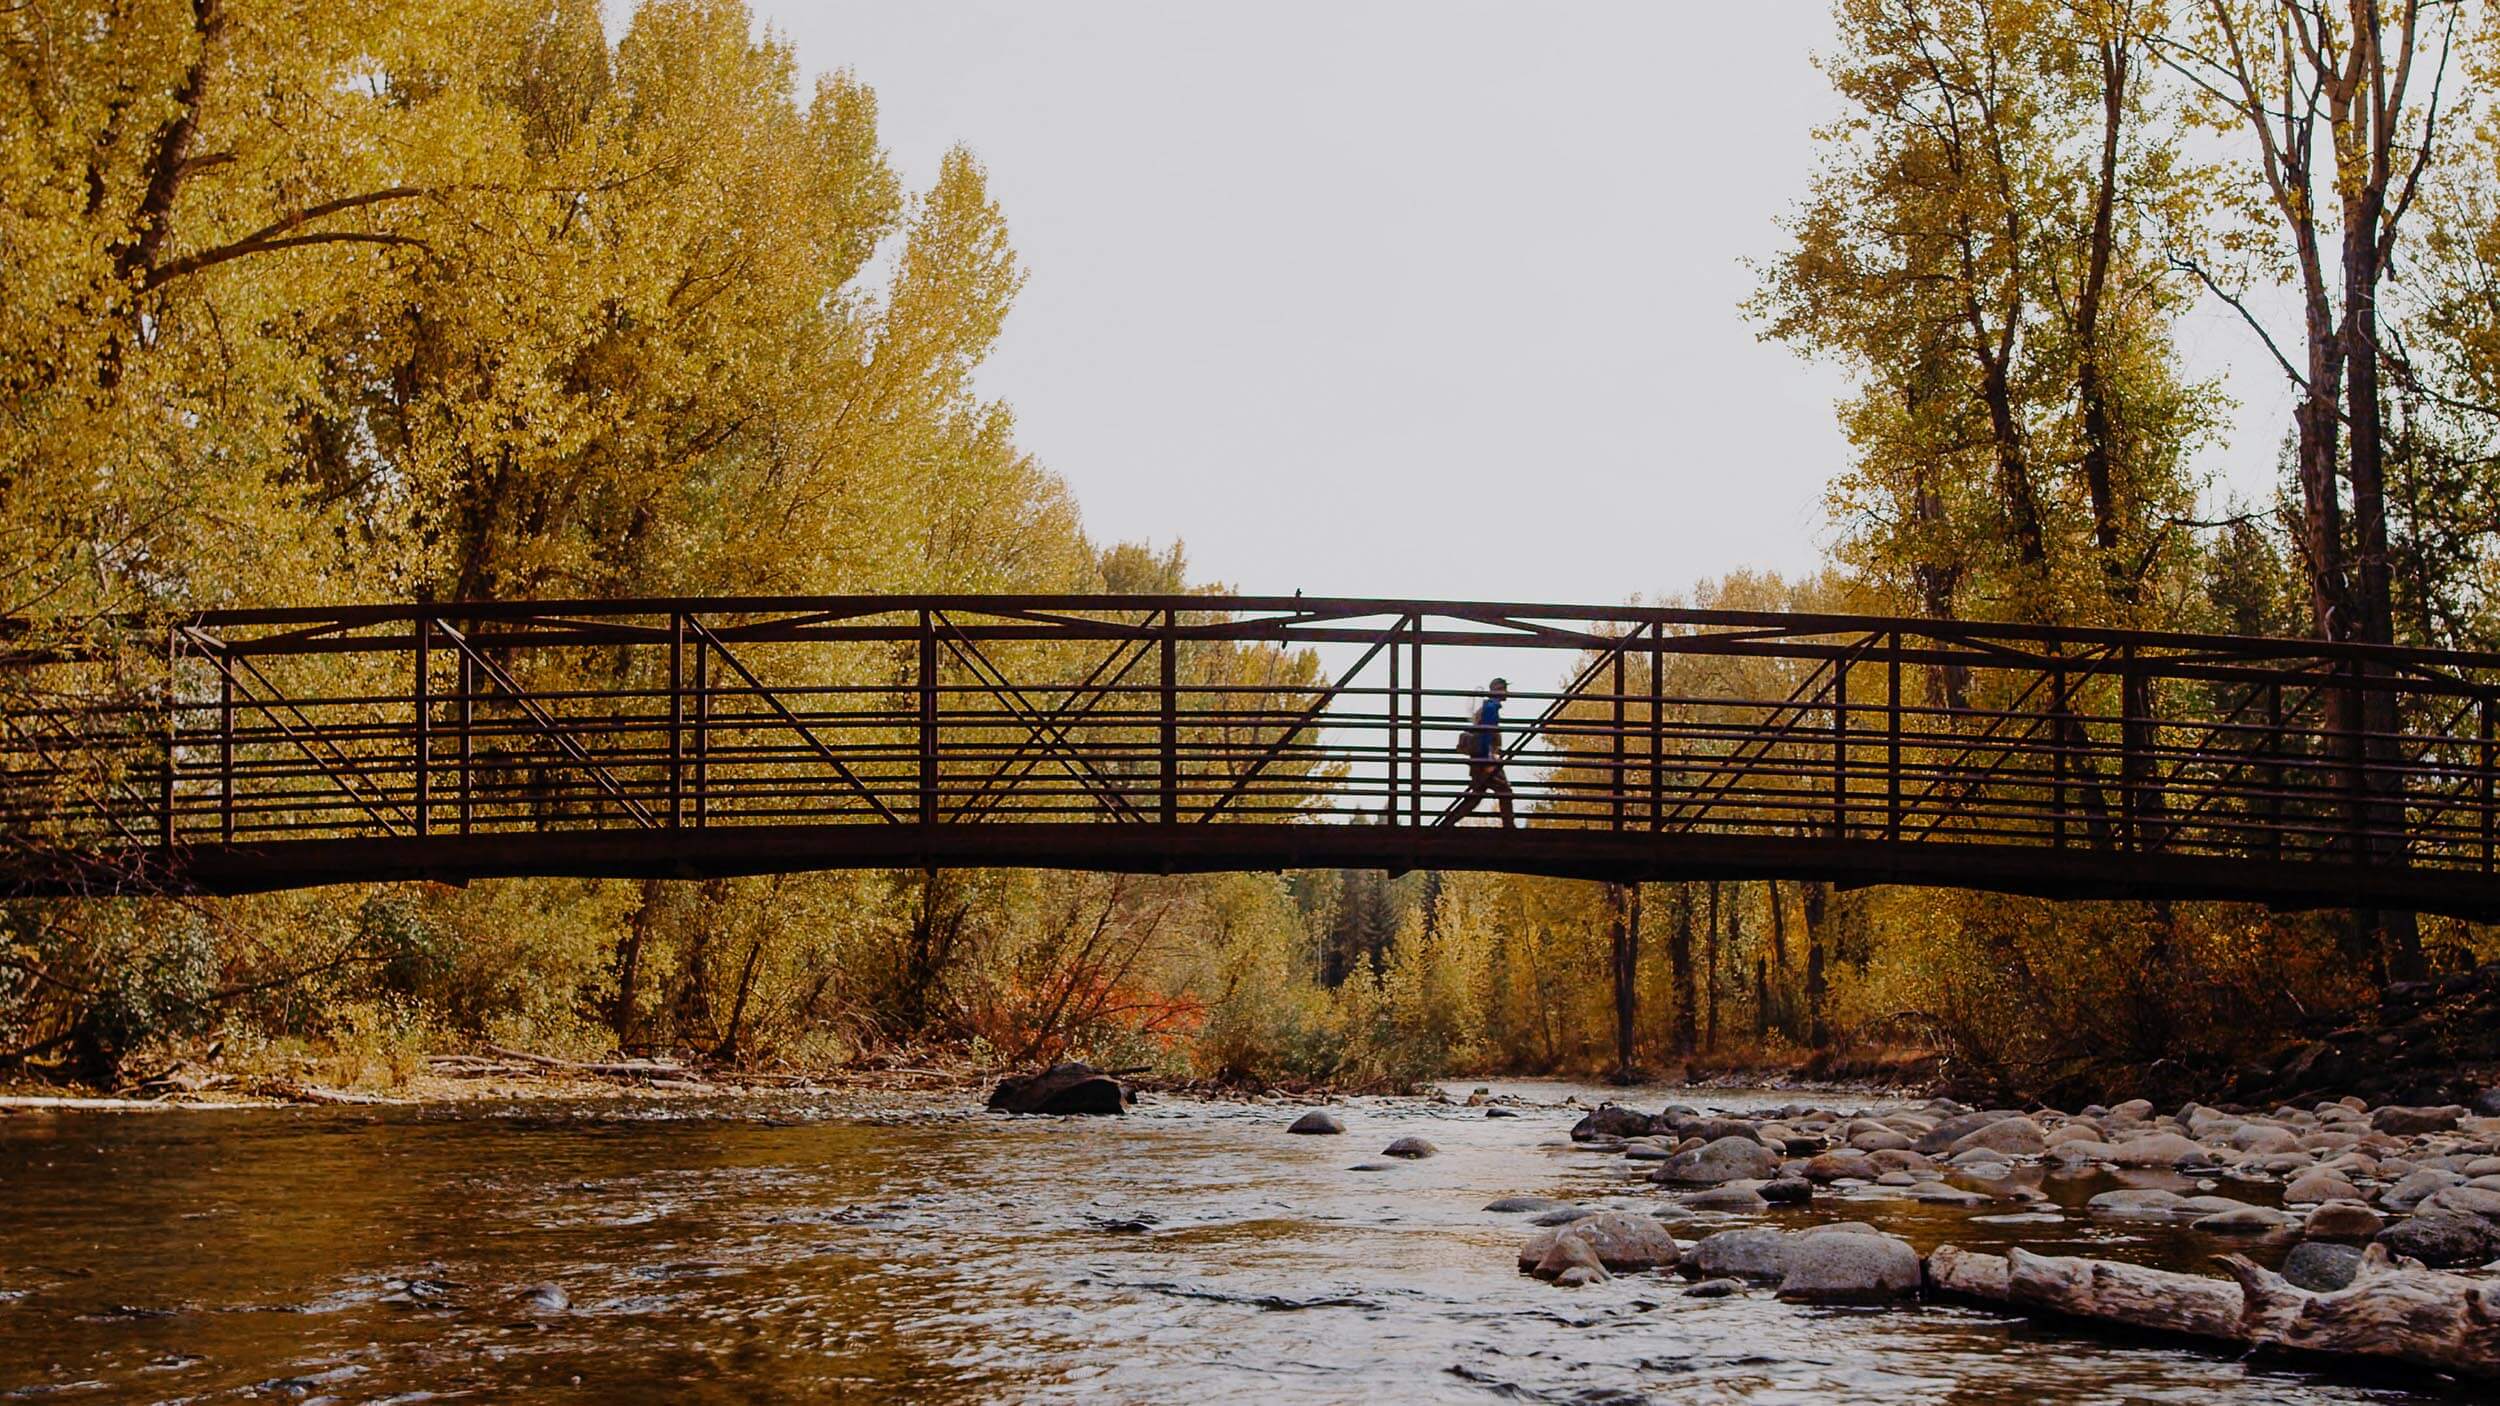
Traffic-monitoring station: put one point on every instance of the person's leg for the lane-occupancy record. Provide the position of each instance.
(1466, 805)
(1500, 782)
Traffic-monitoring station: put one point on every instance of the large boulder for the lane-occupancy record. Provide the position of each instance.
(2444, 1239)
(2017, 1135)
(1615, 1240)
(1611, 1120)
(1849, 1268)
(1316, 1123)
(1755, 1252)
(1068, 1087)
(1409, 1147)
(1728, 1159)
(1834, 1166)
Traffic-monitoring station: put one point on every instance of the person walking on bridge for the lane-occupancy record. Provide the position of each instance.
(1482, 743)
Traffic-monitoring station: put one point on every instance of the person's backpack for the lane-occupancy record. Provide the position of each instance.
(1471, 737)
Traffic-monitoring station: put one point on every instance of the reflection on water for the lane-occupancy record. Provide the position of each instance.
(813, 1250)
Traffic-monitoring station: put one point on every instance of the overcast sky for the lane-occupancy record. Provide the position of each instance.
(1403, 297)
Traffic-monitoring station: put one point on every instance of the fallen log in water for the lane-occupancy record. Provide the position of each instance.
(2423, 1316)
(2390, 1313)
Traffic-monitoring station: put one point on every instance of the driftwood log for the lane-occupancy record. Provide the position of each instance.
(2448, 1322)
(2423, 1316)
(625, 1069)
(1063, 1088)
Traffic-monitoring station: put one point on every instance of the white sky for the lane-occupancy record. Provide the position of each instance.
(1406, 297)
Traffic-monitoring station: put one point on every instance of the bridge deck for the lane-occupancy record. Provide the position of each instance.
(263, 749)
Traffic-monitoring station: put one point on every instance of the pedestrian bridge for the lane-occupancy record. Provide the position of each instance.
(247, 750)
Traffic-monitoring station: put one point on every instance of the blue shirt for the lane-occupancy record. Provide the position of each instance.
(1485, 737)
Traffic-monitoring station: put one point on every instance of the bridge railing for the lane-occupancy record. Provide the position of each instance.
(415, 721)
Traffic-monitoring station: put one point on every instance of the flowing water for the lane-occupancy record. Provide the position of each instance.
(821, 1249)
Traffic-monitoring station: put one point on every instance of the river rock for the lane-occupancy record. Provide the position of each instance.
(1952, 1130)
(2343, 1220)
(2258, 1139)
(2416, 1187)
(1610, 1120)
(1786, 1191)
(1849, 1268)
(2161, 1150)
(2244, 1220)
(1939, 1193)
(2464, 1200)
(1614, 1240)
(1728, 1159)
(1729, 1196)
(1562, 1215)
(1068, 1087)
(2136, 1203)
(1317, 1123)
(1714, 1288)
(1578, 1275)
(1497, 1111)
(1754, 1252)
(2411, 1122)
(1510, 1204)
(1835, 1166)
(545, 1298)
(2018, 1136)
(2320, 1267)
(1879, 1139)
(1409, 1147)
(1570, 1251)
(2443, 1239)
(2320, 1185)
(1711, 1129)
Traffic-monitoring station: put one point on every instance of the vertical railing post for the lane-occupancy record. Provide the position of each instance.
(1168, 707)
(1657, 724)
(1397, 738)
(1892, 741)
(677, 720)
(225, 750)
(928, 720)
(2058, 735)
(2483, 780)
(467, 717)
(2129, 802)
(1614, 784)
(1415, 712)
(2357, 770)
(1840, 746)
(421, 706)
(702, 729)
(166, 828)
(2273, 771)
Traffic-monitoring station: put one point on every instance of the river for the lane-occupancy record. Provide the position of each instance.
(821, 1248)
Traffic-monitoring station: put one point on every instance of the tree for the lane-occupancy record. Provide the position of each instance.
(2342, 108)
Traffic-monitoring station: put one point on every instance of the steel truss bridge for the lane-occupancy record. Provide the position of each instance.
(248, 750)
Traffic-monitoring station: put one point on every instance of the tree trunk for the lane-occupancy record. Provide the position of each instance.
(1817, 899)
(1680, 964)
(1623, 902)
(1710, 974)
(629, 965)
